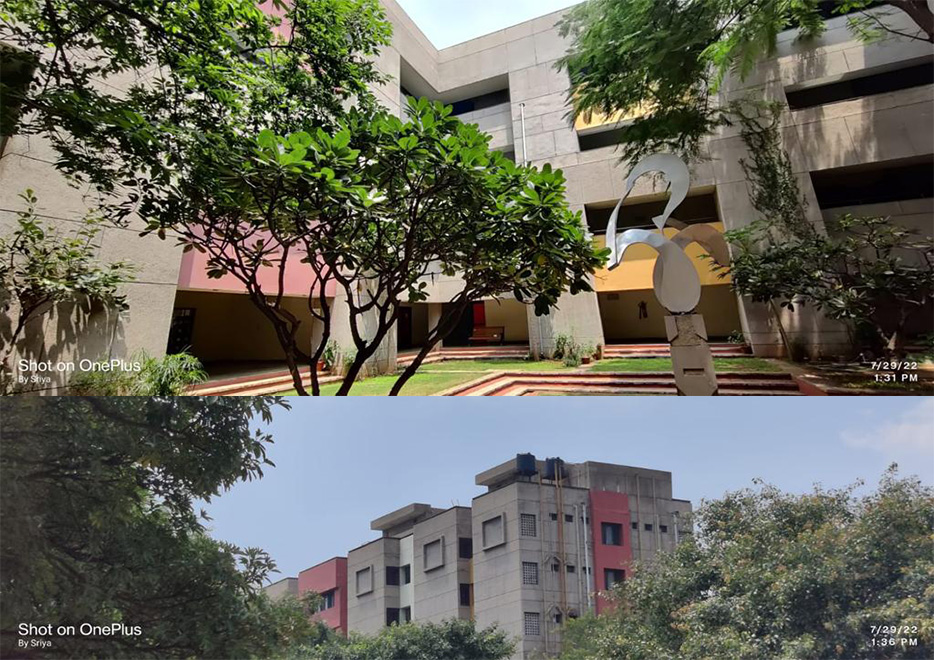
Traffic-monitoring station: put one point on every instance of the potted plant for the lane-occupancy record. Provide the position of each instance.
(328, 357)
(587, 352)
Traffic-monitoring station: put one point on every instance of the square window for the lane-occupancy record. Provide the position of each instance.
(570, 568)
(558, 618)
(555, 567)
(364, 580)
(568, 518)
(611, 576)
(465, 547)
(493, 532)
(527, 526)
(405, 615)
(635, 526)
(611, 533)
(327, 601)
(406, 574)
(392, 576)
(392, 615)
(648, 527)
(532, 623)
(465, 594)
(553, 516)
(663, 529)
(529, 572)
(433, 554)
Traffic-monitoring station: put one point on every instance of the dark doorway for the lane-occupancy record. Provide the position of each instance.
(181, 330)
(461, 334)
(404, 329)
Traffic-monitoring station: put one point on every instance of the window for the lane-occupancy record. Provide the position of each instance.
(533, 624)
(406, 574)
(611, 576)
(555, 567)
(480, 102)
(493, 532)
(570, 568)
(598, 139)
(529, 572)
(553, 516)
(465, 547)
(433, 554)
(558, 618)
(364, 580)
(392, 576)
(854, 88)
(663, 529)
(568, 518)
(465, 594)
(327, 601)
(893, 181)
(612, 533)
(527, 526)
(405, 615)
(648, 527)
(392, 615)
(635, 526)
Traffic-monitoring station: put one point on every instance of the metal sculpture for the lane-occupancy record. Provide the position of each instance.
(675, 280)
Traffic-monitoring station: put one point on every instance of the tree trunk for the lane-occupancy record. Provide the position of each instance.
(919, 12)
(781, 330)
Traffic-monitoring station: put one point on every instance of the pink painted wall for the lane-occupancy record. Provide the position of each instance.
(299, 277)
(328, 575)
(609, 507)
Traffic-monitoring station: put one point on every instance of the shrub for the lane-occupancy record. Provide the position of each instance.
(167, 376)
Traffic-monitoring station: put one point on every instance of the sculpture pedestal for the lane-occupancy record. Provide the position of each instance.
(690, 355)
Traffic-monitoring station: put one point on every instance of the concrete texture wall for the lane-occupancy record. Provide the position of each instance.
(282, 588)
(366, 612)
(437, 588)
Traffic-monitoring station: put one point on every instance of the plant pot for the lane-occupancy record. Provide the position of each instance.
(585, 359)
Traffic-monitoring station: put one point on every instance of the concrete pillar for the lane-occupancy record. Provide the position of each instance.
(434, 317)
(383, 361)
(577, 316)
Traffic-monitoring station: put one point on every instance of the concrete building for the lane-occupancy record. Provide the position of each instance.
(859, 129)
(329, 580)
(539, 546)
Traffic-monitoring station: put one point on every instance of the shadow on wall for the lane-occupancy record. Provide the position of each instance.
(65, 335)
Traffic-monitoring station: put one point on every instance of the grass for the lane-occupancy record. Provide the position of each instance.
(419, 385)
(440, 376)
(492, 365)
(752, 364)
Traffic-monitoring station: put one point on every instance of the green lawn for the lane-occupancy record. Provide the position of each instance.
(664, 365)
(419, 385)
(492, 365)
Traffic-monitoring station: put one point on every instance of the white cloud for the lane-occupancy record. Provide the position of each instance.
(909, 436)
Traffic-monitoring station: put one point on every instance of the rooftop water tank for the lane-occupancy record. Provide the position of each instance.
(525, 465)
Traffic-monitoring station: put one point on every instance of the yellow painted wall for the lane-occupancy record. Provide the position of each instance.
(621, 320)
(229, 327)
(599, 119)
(510, 314)
(635, 273)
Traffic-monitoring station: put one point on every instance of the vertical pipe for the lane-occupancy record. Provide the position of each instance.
(581, 572)
(525, 151)
(639, 524)
(590, 584)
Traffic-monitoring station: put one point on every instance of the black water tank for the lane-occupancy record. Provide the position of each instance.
(525, 465)
(554, 468)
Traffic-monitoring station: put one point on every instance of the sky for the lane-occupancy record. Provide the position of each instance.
(449, 22)
(341, 463)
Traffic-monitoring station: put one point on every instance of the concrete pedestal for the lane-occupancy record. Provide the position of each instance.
(690, 355)
(576, 316)
(383, 361)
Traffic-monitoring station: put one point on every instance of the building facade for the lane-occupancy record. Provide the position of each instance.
(858, 129)
(329, 580)
(542, 545)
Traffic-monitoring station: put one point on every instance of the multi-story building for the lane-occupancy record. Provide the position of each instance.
(859, 129)
(541, 545)
(329, 580)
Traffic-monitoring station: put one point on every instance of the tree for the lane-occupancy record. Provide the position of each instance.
(665, 59)
(774, 575)
(375, 208)
(41, 266)
(208, 78)
(454, 639)
(99, 527)
(867, 272)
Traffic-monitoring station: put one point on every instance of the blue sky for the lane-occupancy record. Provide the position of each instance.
(449, 22)
(343, 462)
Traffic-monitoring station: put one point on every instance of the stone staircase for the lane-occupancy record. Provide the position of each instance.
(611, 351)
(525, 384)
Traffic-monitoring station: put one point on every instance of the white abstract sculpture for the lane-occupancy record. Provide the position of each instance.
(675, 280)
